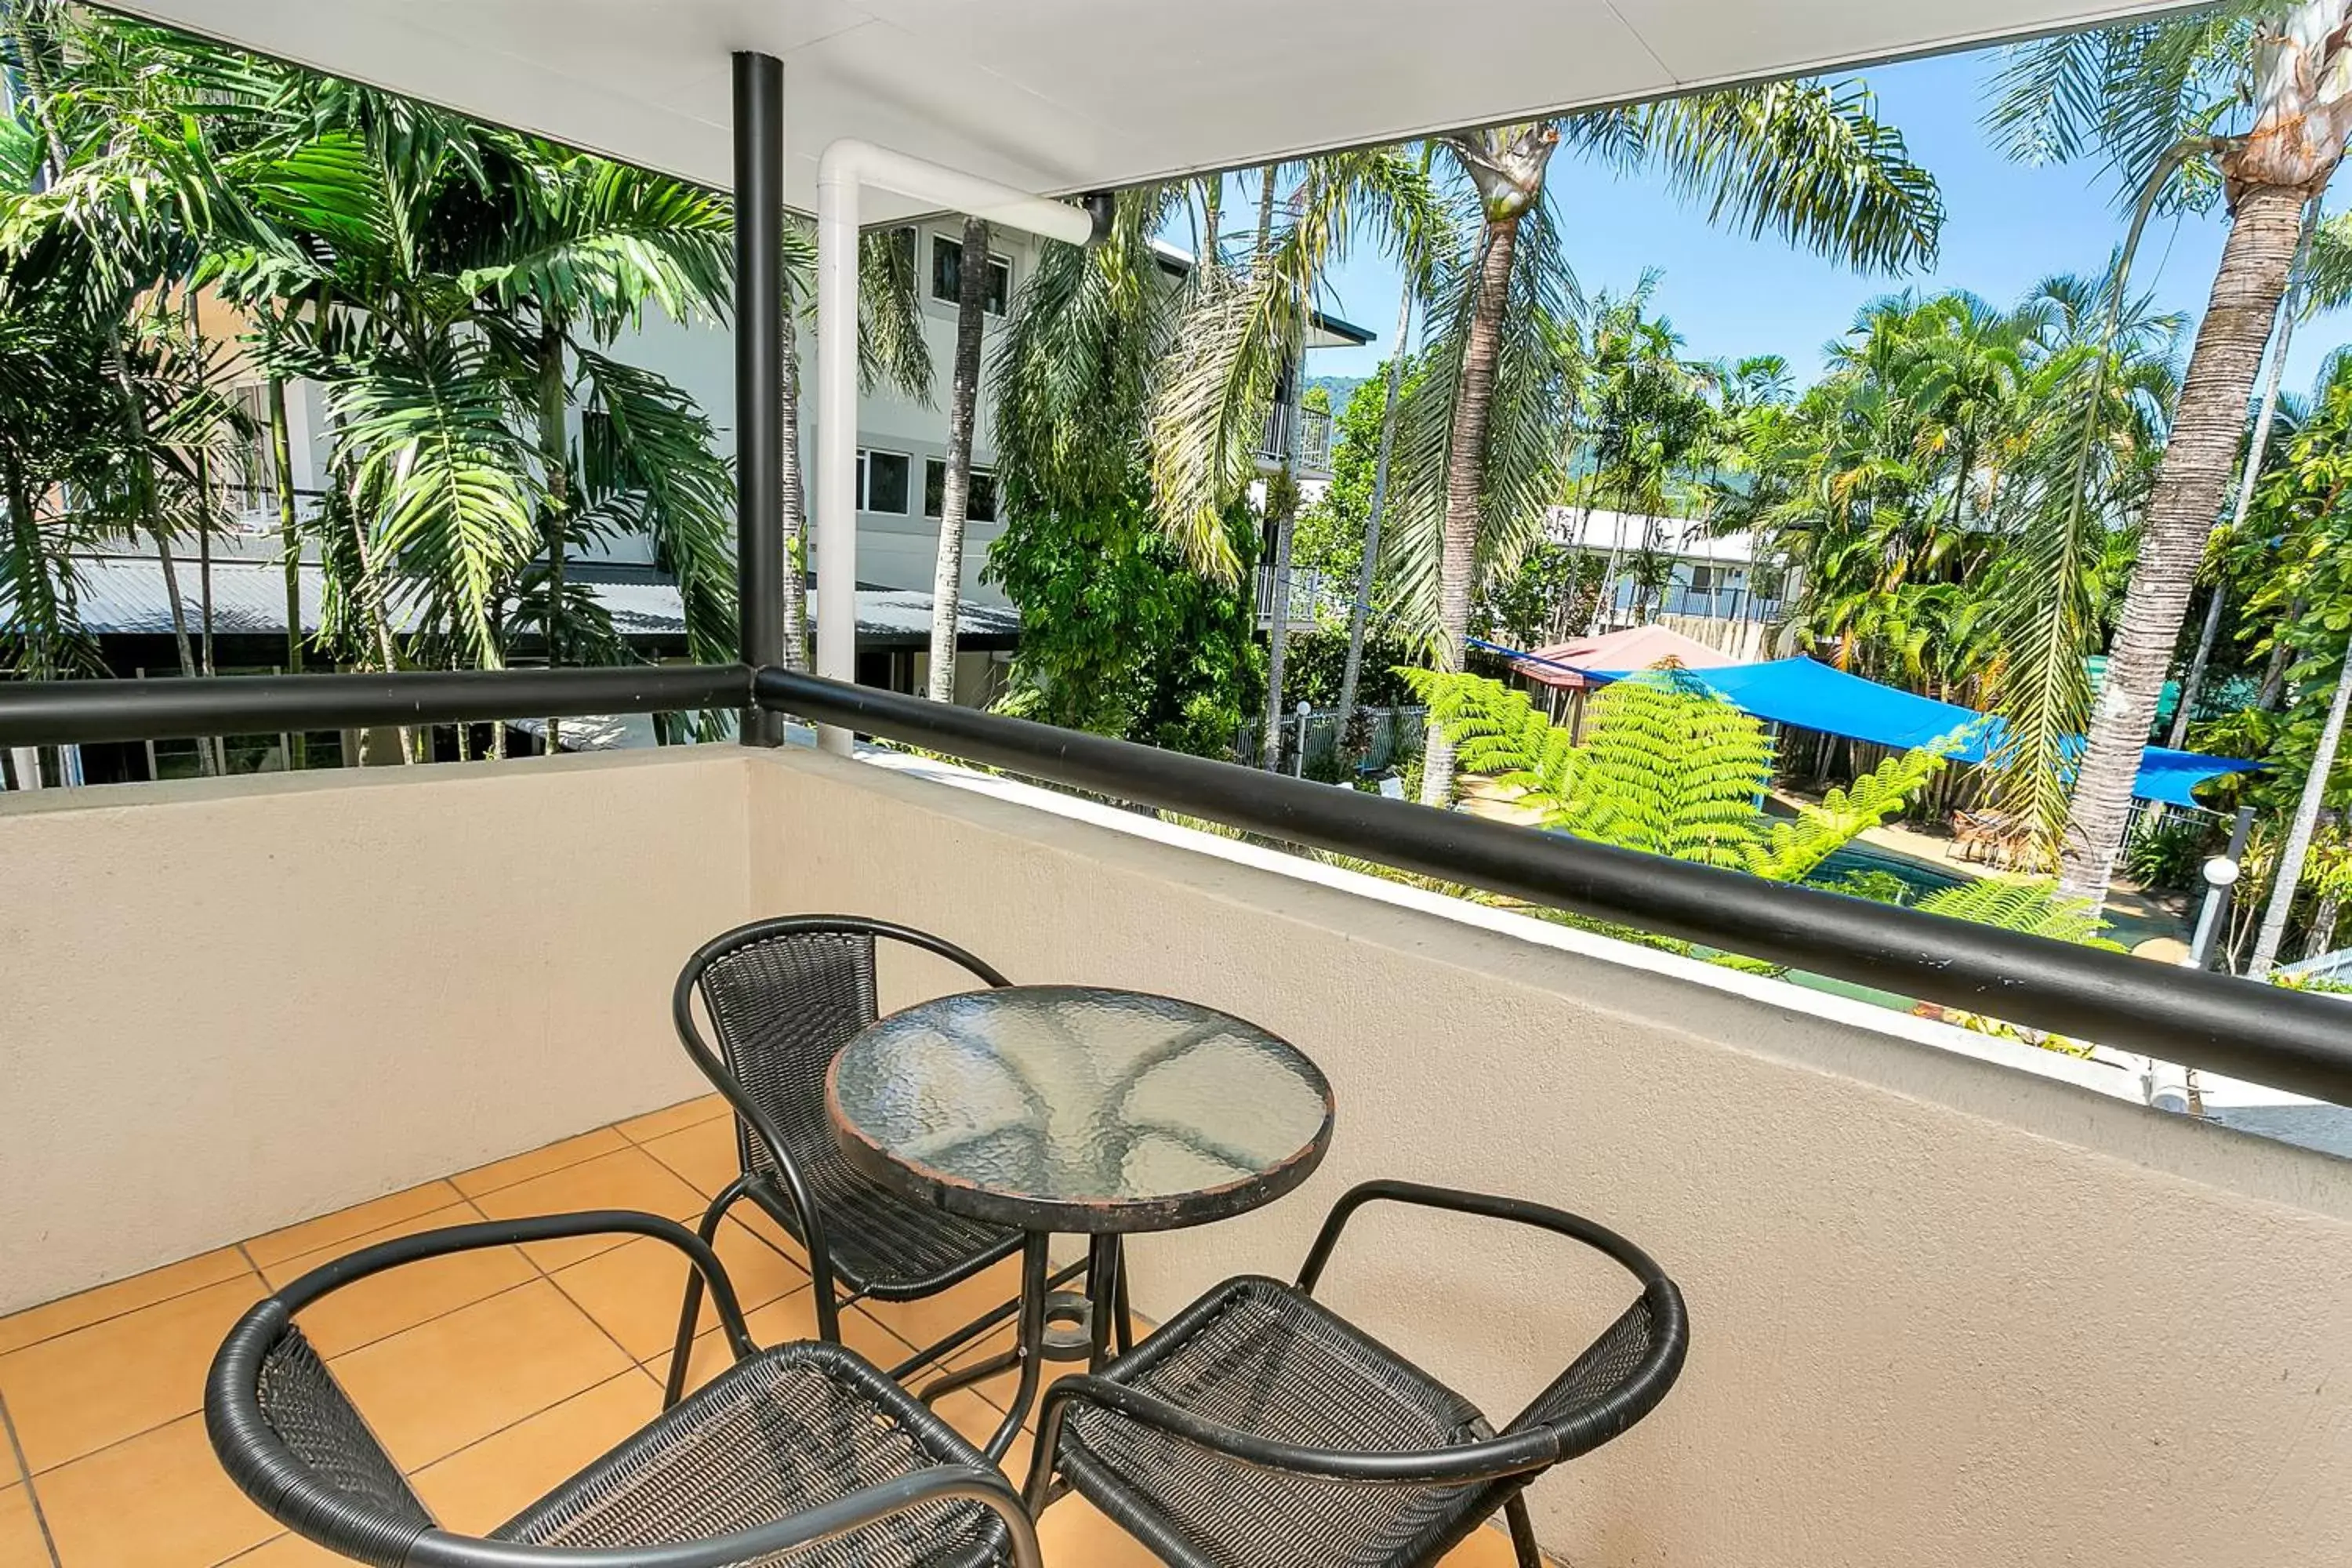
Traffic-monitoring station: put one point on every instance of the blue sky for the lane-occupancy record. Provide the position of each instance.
(2006, 227)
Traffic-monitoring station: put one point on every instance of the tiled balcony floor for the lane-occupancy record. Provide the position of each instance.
(490, 1377)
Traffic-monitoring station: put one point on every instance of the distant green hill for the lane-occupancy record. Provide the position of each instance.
(1340, 387)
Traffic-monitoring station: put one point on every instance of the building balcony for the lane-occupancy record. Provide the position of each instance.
(1943, 1287)
(1308, 590)
(1314, 442)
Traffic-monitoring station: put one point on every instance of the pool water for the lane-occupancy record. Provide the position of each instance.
(1920, 878)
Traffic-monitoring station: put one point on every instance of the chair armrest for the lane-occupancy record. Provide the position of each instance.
(1489, 1458)
(407, 1249)
(1579, 1417)
(1519, 1211)
(940, 1483)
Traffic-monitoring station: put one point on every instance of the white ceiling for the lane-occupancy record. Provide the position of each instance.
(1061, 96)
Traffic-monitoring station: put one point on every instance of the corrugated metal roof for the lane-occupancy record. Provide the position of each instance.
(124, 596)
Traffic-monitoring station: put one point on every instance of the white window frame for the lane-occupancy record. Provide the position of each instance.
(995, 258)
(865, 484)
(979, 471)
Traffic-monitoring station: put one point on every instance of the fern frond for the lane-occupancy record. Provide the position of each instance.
(2032, 907)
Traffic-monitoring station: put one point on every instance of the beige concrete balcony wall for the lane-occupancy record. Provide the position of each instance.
(1945, 1312)
(228, 1005)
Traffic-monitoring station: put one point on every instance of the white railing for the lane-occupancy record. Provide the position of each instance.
(1314, 440)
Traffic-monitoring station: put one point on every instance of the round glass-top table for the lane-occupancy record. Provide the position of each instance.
(1069, 1110)
(1073, 1110)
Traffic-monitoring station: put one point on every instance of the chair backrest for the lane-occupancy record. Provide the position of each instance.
(1620, 1377)
(784, 996)
(311, 1455)
(782, 1004)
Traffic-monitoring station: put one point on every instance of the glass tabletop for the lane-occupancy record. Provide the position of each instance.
(1073, 1109)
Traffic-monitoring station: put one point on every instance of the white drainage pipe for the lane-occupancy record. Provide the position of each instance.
(847, 167)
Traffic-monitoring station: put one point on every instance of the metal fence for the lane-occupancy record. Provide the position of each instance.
(1311, 741)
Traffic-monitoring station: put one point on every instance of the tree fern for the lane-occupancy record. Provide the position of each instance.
(1790, 849)
(1665, 767)
(2032, 907)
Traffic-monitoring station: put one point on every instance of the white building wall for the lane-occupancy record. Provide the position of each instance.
(893, 550)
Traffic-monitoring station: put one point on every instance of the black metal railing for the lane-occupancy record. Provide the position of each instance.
(73, 712)
(2286, 1039)
(2214, 1022)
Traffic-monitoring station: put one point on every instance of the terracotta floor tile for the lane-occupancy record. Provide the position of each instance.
(11, 1472)
(755, 1219)
(634, 1290)
(439, 1387)
(538, 1162)
(385, 1304)
(21, 1545)
(71, 1312)
(159, 1500)
(81, 1391)
(793, 1317)
(360, 1219)
(704, 1154)
(288, 1551)
(658, 1123)
(478, 1489)
(627, 1179)
(925, 1321)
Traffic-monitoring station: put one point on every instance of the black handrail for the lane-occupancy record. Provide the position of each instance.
(2285, 1039)
(2215, 1022)
(66, 712)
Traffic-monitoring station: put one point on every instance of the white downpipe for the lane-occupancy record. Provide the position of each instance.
(847, 167)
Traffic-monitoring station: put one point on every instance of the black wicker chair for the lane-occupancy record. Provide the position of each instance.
(805, 1455)
(784, 996)
(1257, 1420)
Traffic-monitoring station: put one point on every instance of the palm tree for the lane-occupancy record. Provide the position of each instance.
(1359, 612)
(955, 492)
(1807, 161)
(122, 197)
(2245, 104)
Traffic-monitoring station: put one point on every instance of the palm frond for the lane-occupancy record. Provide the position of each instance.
(892, 350)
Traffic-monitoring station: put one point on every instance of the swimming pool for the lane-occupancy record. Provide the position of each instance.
(1919, 876)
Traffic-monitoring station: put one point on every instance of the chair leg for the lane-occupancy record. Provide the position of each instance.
(690, 1313)
(1125, 1322)
(1523, 1531)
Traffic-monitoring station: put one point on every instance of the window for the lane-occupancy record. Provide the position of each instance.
(882, 480)
(982, 508)
(1702, 580)
(947, 275)
(248, 480)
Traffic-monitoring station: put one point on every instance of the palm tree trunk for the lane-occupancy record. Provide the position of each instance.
(1285, 502)
(2273, 687)
(378, 620)
(1465, 476)
(2193, 685)
(795, 502)
(554, 457)
(37, 607)
(955, 492)
(1213, 209)
(289, 543)
(2297, 848)
(2189, 488)
(1360, 614)
(2322, 938)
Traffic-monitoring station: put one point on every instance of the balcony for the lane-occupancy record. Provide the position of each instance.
(1943, 1287)
(1308, 589)
(1314, 441)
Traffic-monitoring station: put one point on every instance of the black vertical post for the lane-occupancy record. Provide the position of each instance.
(759, 562)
